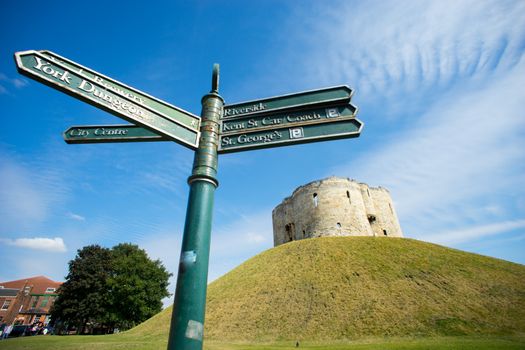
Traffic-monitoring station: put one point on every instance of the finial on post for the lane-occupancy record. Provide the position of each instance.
(215, 79)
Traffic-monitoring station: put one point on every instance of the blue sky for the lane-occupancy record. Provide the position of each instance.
(439, 86)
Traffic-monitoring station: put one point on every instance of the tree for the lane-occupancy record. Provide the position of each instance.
(83, 297)
(107, 288)
(137, 285)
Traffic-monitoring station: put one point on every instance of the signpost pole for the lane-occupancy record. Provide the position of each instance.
(187, 320)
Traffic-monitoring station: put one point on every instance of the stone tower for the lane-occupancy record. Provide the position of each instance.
(335, 207)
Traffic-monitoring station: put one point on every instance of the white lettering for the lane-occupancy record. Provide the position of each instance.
(83, 84)
(226, 141)
(302, 118)
(78, 133)
(259, 138)
(244, 110)
(39, 63)
(110, 132)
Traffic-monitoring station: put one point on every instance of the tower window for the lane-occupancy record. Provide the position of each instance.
(316, 200)
(348, 196)
(338, 225)
(289, 228)
(391, 210)
(384, 232)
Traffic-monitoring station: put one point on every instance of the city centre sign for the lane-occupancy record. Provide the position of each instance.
(309, 116)
(110, 133)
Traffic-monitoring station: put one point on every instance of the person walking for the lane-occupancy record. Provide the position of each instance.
(7, 330)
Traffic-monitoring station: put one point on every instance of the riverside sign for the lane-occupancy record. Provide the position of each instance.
(307, 116)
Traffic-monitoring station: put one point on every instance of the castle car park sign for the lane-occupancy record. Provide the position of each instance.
(291, 126)
(308, 116)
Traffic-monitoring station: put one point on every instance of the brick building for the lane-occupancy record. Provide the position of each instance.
(27, 300)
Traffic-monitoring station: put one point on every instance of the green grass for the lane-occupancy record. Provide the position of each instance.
(126, 341)
(355, 287)
(345, 293)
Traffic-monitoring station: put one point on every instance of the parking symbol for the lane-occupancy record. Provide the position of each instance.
(332, 113)
(296, 133)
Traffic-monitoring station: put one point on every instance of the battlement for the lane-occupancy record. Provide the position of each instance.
(335, 207)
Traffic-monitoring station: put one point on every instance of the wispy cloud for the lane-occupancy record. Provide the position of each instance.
(17, 83)
(76, 217)
(439, 87)
(38, 243)
(388, 48)
(475, 232)
(467, 152)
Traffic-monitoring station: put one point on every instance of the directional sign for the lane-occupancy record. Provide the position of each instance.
(111, 96)
(282, 118)
(287, 135)
(110, 133)
(333, 95)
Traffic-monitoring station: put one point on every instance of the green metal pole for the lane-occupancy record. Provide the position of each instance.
(187, 319)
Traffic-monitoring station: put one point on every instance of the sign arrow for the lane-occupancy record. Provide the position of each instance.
(110, 95)
(291, 135)
(281, 118)
(110, 134)
(333, 95)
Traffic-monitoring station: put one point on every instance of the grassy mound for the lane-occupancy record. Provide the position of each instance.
(351, 287)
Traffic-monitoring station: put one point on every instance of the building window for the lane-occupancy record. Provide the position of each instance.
(384, 232)
(290, 231)
(35, 303)
(348, 196)
(50, 290)
(391, 210)
(44, 302)
(6, 304)
(338, 225)
(368, 191)
(316, 200)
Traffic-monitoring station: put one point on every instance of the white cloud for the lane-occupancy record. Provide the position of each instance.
(14, 82)
(386, 49)
(454, 72)
(76, 217)
(460, 158)
(475, 232)
(38, 243)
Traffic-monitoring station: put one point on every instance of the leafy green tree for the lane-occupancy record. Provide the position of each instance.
(137, 285)
(84, 297)
(107, 288)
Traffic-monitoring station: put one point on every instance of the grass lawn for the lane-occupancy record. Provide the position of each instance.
(126, 341)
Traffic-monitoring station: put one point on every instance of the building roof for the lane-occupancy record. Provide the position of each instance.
(39, 284)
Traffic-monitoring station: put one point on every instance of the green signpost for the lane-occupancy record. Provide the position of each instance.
(308, 116)
(333, 95)
(110, 133)
(129, 105)
(285, 128)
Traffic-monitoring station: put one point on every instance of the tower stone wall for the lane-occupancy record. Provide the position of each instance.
(335, 207)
